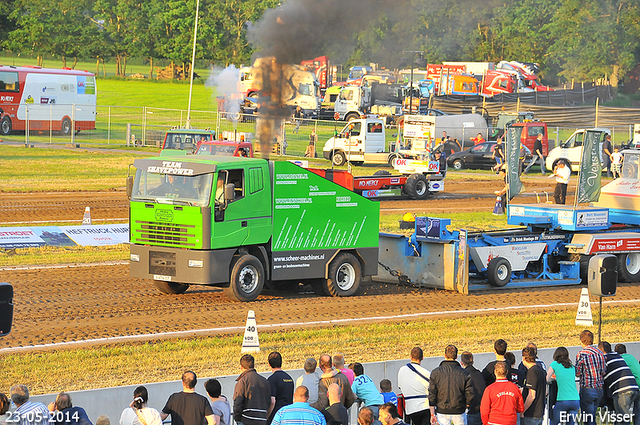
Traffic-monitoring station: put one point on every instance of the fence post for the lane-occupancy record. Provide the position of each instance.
(50, 123)
(109, 127)
(73, 123)
(128, 133)
(26, 132)
(144, 126)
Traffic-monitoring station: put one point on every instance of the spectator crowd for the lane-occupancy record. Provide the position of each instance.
(600, 386)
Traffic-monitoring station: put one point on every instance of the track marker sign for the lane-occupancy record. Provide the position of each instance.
(584, 317)
(250, 343)
(87, 216)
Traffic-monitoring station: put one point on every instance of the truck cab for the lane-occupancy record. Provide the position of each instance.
(352, 102)
(359, 141)
(226, 148)
(187, 139)
(236, 222)
(570, 151)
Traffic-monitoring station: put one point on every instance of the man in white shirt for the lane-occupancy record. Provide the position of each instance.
(562, 173)
(413, 381)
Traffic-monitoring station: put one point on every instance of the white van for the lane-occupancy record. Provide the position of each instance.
(570, 151)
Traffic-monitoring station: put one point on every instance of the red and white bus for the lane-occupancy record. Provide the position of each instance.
(50, 99)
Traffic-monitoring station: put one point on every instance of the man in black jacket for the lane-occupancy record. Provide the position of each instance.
(451, 390)
(473, 415)
(252, 395)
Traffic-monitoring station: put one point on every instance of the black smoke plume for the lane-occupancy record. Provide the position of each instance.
(299, 30)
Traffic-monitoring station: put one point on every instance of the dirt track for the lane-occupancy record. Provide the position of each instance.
(460, 195)
(71, 304)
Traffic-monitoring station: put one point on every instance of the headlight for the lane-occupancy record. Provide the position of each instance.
(134, 257)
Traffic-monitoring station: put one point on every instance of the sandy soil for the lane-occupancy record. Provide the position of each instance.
(71, 304)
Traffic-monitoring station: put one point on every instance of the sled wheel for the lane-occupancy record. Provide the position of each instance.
(499, 271)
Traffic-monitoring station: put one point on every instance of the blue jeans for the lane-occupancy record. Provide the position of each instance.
(448, 419)
(531, 421)
(533, 162)
(566, 412)
(474, 419)
(625, 403)
(589, 402)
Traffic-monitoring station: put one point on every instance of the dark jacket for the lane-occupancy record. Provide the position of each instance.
(478, 385)
(251, 398)
(450, 389)
(334, 377)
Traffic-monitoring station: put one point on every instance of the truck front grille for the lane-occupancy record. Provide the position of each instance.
(165, 233)
(162, 263)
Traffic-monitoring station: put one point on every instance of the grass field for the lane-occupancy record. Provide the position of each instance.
(132, 364)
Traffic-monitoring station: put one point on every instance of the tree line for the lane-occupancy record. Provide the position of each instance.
(582, 40)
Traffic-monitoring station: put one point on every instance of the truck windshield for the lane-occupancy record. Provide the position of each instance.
(170, 189)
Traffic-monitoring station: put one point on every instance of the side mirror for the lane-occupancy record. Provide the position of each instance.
(6, 308)
(129, 186)
(229, 192)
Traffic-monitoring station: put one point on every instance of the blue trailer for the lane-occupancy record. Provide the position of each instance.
(552, 244)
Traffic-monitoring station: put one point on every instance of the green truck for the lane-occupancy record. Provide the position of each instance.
(238, 222)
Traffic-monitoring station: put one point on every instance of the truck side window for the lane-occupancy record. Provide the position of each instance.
(578, 139)
(237, 178)
(255, 177)
(355, 131)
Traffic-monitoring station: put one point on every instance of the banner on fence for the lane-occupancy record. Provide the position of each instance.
(87, 235)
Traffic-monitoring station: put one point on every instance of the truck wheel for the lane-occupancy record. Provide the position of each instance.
(458, 165)
(350, 117)
(339, 159)
(344, 276)
(499, 271)
(65, 129)
(170, 287)
(629, 267)
(5, 126)
(417, 186)
(247, 279)
(392, 159)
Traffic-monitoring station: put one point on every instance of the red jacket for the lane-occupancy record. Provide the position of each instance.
(501, 403)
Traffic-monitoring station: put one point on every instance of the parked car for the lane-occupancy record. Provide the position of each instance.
(478, 156)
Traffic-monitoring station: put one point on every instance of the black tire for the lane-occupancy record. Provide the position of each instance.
(584, 265)
(417, 186)
(499, 271)
(247, 279)
(351, 116)
(457, 165)
(170, 287)
(345, 275)
(629, 267)
(566, 163)
(392, 159)
(5, 126)
(339, 159)
(357, 163)
(382, 173)
(65, 128)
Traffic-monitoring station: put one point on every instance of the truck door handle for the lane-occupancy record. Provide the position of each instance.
(244, 224)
